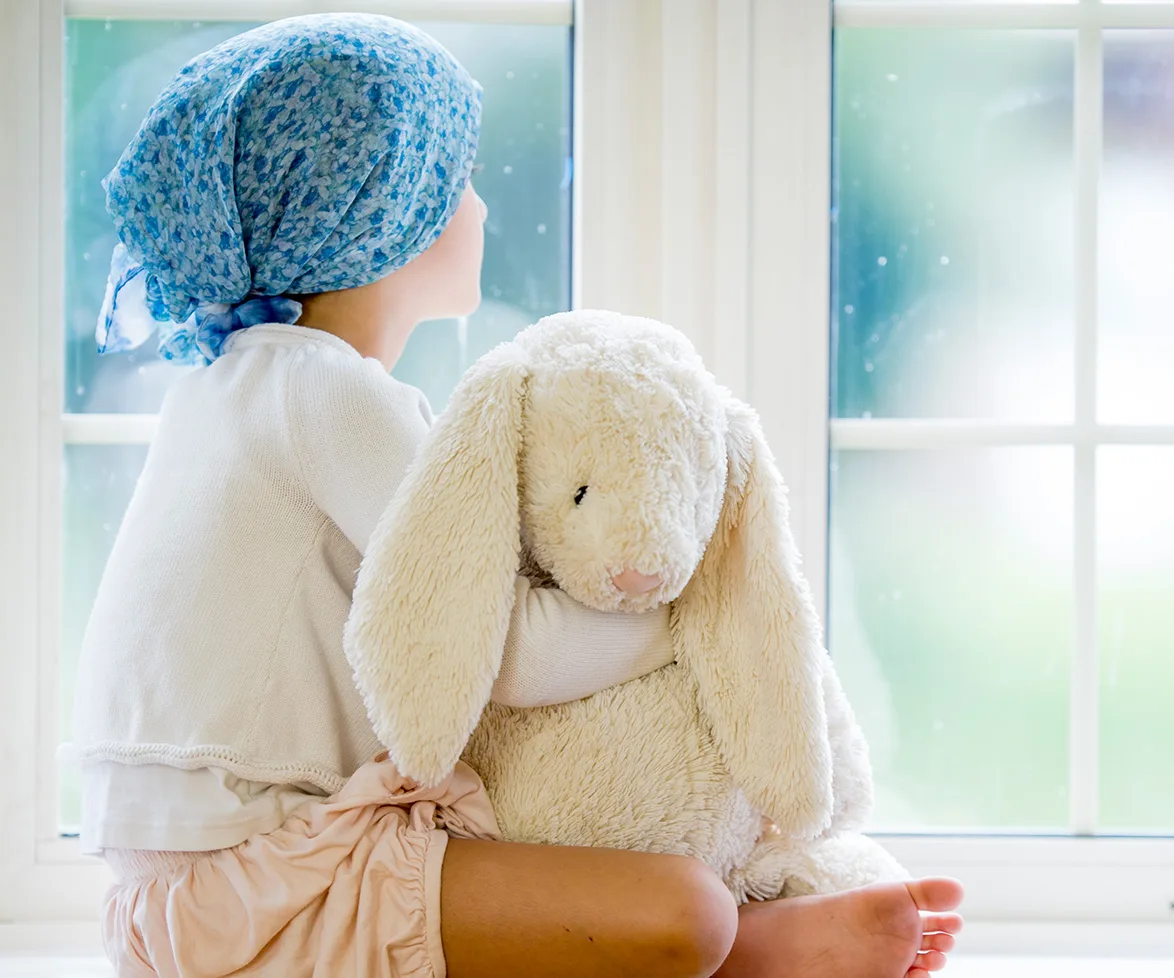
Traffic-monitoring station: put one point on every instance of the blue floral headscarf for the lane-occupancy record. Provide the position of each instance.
(308, 155)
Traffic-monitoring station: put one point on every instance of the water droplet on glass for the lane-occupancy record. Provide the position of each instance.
(509, 75)
(507, 170)
(874, 338)
(868, 367)
(882, 261)
(79, 390)
(890, 77)
(109, 25)
(123, 106)
(945, 260)
(542, 229)
(85, 256)
(849, 309)
(142, 371)
(896, 595)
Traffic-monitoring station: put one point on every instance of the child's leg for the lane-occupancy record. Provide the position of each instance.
(509, 910)
(540, 911)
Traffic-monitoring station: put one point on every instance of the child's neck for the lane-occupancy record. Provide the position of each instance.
(367, 317)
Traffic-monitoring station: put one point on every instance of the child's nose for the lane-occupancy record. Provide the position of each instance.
(633, 582)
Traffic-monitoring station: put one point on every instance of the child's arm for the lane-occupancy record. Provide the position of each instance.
(558, 650)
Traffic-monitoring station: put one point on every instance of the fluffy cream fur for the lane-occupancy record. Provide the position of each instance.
(591, 444)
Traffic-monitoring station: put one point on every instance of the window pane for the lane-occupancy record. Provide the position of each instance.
(114, 70)
(1136, 571)
(98, 481)
(953, 270)
(1136, 344)
(950, 624)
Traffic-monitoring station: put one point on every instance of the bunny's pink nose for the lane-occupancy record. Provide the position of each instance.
(633, 582)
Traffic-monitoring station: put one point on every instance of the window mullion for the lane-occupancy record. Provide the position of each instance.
(108, 429)
(474, 11)
(21, 123)
(1084, 681)
(1003, 14)
(52, 384)
(789, 343)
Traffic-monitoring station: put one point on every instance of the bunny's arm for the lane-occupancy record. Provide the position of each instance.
(558, 650)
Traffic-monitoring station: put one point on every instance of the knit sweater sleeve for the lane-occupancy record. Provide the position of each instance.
(558, 650)
(355, 431)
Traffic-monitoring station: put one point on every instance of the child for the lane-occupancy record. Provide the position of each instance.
(296, 201)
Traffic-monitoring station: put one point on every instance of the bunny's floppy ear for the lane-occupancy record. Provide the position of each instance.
(434, 594)
(746, 627)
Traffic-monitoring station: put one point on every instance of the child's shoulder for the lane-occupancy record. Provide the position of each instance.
(330, 376)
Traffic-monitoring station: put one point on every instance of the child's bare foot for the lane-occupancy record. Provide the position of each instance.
(891, 930)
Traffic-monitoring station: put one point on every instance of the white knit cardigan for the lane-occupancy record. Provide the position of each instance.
(216, 635)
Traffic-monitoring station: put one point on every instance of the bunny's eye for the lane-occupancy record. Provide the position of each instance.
(580, 494)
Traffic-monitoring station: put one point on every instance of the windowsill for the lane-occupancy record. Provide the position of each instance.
(963, 966)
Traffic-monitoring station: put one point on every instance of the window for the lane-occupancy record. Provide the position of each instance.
(113, 70)
(984, 508)
(74, 84)
(1001, 556)
(999, 389)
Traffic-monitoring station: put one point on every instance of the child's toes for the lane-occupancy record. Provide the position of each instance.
(941, 923)
(937, 942)
(935, 893)
(929, 961)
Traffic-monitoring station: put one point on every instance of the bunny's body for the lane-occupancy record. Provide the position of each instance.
(591, 447)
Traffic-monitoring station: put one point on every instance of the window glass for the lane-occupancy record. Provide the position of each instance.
(1136, 342)
(1135, 526)
(953, 256)
(951, 627)
(114, 69)
(98, 481)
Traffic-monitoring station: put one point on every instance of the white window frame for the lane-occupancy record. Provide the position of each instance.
(702, 132)
(1084, 892)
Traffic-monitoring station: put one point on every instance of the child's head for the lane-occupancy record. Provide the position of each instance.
(310, 155)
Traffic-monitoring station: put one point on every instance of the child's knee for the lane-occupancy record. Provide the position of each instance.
(700, 921)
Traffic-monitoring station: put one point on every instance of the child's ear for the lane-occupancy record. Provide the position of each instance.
(436, 589)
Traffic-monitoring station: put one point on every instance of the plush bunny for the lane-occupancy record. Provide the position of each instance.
(595, 445)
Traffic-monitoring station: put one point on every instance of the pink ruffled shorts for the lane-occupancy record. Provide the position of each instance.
(346, 886)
